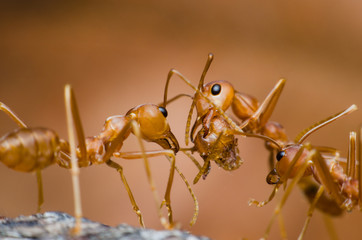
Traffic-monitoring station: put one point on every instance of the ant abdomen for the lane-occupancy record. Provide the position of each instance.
(29, 149)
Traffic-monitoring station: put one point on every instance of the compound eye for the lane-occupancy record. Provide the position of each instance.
(280, 155)
(163, 111)
(216, 89)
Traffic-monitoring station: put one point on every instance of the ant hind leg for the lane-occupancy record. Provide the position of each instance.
(74, 126)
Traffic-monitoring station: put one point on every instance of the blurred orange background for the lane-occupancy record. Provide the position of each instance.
(116, 55)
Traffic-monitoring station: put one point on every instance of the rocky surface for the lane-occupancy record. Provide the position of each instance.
(57, 225)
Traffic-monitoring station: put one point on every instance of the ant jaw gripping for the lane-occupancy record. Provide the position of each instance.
(218, 144)
(169, 142)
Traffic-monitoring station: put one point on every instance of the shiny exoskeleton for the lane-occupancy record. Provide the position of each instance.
(30, 149)
(215, 139)
(211, 101)
(339, 179)
(33, 149)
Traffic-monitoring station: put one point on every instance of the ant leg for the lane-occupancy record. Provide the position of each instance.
(325, 203)
(197, 164)
(74, 113)
(326, 178)
(40, 190)
(351, 160)
(74, 126)
(253, 201)
(287, 192)
(167, 198)
(330, 227)
(328, 150)
(136, 209)
(12, 115)
(204, 170)
(170, 156)
(196, 204)
(137, 133)
(113, 145)
(188, 123)
(266, 108)
(359, 175)
(283, 232)
(197, 123)
(310, 211)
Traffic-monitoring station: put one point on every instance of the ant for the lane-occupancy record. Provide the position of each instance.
(297, 161)
(216, 140)
(33, 149)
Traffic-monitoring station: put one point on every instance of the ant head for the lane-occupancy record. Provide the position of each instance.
(286, 156)
(221, 93)
(154, 126)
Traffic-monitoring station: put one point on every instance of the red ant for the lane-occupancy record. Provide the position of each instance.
(297, 161)
(216, 140)
(33, 149)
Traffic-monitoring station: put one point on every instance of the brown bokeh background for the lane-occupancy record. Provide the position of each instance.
(116, 55)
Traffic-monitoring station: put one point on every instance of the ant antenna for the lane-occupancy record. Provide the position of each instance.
(308, 131)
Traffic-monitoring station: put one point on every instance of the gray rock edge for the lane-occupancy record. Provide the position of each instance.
(57, 226)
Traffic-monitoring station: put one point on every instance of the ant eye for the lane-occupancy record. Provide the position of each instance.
(280, 155)
(163, 111)
(216, 89)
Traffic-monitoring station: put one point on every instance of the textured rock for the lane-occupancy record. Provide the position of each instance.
(57, 225)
